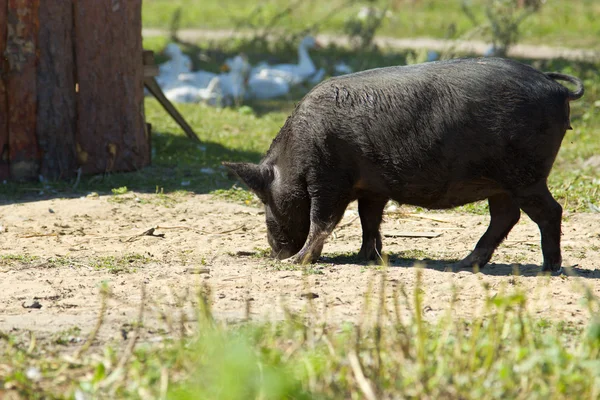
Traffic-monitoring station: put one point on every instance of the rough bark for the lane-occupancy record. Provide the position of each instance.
(56, 94)
(4, 164)
(22, 34)
(110, 135)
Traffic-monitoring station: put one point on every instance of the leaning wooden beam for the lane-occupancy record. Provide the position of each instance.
(150, 71)
(157, 92)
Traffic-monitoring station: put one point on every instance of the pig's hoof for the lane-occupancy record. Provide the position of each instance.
(553, 269)
(465, 264)
(367, 255)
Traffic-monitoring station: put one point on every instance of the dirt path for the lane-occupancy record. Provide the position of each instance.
(463, 46)
(216, 242)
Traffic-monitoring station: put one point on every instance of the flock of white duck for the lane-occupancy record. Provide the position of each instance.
(241, 82)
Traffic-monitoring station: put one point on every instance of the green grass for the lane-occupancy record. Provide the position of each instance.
(68, 336)
(24, 259)
(392, 352)
(238, 195)
(559, 23)
(124, 263)
(113, 264)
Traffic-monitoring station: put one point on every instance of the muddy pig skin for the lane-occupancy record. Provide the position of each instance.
(436, 135)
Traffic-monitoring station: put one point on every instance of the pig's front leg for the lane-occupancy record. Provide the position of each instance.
(325, 213)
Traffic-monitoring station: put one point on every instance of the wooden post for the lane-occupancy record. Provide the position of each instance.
(56, 114)
(22, 34)
(111, 134)
(4, 161)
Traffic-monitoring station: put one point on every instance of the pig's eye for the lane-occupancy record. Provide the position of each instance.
(271, 225)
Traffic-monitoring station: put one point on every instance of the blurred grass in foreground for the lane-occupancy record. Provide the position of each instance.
(503, 352)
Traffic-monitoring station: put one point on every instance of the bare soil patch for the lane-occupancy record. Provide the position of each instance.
(58, 252)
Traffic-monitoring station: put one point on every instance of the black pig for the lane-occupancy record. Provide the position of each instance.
(436, 135)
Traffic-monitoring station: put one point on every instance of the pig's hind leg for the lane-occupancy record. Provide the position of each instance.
(504, 213)
(370, 210)
(544, 210)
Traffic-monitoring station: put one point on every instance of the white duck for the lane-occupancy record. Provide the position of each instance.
(233, 83)
(179, 63)
(184, 93)
(295, 74)
(197, 78)
(263, 86)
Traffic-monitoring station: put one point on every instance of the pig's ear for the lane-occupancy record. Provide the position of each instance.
(257, 177)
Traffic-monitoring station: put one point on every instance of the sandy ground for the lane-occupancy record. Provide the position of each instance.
(210, 241)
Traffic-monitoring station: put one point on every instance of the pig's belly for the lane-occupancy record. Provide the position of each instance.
(451, 195)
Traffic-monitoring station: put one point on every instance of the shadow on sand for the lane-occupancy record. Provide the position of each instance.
(493, 269)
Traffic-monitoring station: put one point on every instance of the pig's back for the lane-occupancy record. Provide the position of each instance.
(450, 85)
(456, 103)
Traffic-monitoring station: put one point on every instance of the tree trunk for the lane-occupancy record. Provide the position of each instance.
(22, 34)
(111, 135)
(4, 161)
(56, 98)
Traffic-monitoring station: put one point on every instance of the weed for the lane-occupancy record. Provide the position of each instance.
(504, 18)
(59, 262)
(262, 252)
(116, 265)
(68, 336)
(118, 191)
(10, 259)
(238, 195)
(118, 195)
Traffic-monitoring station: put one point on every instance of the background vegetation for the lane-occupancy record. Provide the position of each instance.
(558, 23)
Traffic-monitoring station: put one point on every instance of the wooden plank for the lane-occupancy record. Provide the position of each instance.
(151, 71)
(111, 134)
(4, 164)
(56, 98)
(22, 33)
(148, 57)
